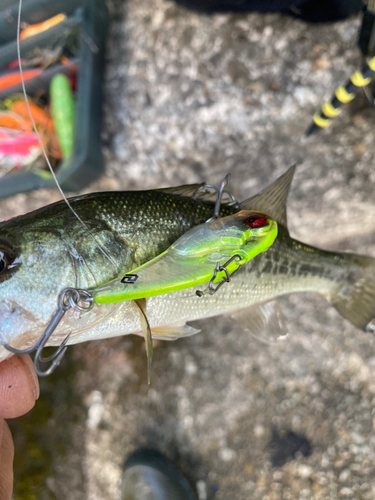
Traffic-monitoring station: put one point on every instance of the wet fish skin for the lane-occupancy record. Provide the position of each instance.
(289, 266)
(49, 250)
(131, 226)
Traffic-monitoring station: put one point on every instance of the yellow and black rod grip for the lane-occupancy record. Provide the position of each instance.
(343, 95)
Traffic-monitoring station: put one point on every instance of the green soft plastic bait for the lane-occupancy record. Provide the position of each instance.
(62, 111)
(192, 259)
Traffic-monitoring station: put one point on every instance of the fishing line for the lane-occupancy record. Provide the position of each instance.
(41, 144)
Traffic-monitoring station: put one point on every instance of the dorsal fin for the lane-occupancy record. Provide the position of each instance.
(190, 189)
(185, 190)
(272, 200)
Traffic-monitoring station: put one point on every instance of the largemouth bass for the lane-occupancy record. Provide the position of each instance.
(48, 250)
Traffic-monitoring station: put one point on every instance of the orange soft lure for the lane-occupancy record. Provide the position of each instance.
(35, 29)
(14, 77)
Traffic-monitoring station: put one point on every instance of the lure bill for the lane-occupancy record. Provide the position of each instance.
(191, 260)
(47, 250)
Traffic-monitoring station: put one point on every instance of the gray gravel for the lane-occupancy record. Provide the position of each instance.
(190, 98)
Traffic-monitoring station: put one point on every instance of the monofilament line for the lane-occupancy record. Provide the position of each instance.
(40, 141)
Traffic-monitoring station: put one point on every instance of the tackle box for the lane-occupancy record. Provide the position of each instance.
(90, 18)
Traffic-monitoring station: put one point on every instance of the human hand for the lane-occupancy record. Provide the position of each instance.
(19, 389)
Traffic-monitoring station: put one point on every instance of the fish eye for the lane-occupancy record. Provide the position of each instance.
(256, 222)
(6, 258)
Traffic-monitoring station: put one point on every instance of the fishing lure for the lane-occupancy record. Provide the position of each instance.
(208, 253)
(42, 120)
(35, 29)
(9, 119)
(17, 105)
(62, 110)
(12, 78)
(18, 149)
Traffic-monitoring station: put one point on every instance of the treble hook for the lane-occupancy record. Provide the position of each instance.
(68, 298)
(226, 279)
(219, 195)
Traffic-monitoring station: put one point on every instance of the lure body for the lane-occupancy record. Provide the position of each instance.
(192, 259)
(35, 29)
(18, 117)
(9, 119)
(12, 78)
(18, 149)
(62, 111)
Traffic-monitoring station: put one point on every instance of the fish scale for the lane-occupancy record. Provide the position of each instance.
(52, 251)
(248, 287)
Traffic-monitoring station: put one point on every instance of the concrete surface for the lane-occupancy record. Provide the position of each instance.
(190, 98)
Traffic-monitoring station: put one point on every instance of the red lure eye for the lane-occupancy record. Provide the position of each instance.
(256, 222)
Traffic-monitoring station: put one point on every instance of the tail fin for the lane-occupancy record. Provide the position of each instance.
(355, 299)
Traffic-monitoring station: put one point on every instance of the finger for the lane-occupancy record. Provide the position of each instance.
(19, 386)
(6, 461)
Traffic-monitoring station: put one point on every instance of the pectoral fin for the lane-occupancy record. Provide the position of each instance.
(141, 303)
(265, 321)
(173, 332)
(272, 200)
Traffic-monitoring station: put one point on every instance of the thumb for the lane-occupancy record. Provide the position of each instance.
(19, 386)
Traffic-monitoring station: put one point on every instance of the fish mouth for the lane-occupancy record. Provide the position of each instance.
(21, 329)
(18, 327)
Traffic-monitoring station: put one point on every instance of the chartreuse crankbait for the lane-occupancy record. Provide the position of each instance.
(208, 253)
